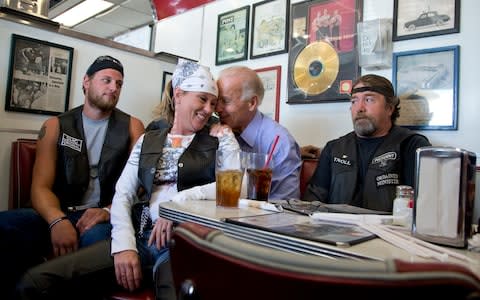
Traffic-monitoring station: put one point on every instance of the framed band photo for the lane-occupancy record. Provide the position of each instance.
(271, 78)
(232, 36)
(426, 81)
(416, 19)
(269, 28)
(38, 77)
(322, 56)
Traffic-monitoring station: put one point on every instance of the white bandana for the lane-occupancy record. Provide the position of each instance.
(192, 77)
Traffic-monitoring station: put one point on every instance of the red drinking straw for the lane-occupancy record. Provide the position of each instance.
(270, 154)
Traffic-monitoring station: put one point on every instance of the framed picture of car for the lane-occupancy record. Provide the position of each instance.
(416, 19)
(426, 81)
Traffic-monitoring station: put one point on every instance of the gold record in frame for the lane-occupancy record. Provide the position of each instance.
(316, 68)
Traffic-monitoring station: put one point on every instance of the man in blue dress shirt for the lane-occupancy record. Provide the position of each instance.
(241, 92)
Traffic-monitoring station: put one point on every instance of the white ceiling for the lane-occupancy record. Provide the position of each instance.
(124, 16)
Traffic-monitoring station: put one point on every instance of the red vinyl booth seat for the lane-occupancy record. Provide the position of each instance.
(308, 168)
(22, 159)
(209, 265)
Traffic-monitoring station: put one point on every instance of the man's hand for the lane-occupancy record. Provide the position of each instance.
(128, 269)
(310, 151)
(92, 217)
(64, 238)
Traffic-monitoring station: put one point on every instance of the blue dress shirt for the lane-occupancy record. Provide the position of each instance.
(259, 137)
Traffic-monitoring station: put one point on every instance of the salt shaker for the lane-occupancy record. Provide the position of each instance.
(403, 206)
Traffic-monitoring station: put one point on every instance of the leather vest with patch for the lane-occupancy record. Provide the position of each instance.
(382, 177)
(73, 170)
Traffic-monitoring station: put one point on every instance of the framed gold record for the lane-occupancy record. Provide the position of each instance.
(316, 68)
(322, 56)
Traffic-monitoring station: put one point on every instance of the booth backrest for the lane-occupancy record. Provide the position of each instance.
(308, 167)
(207, 264)
(22, 158)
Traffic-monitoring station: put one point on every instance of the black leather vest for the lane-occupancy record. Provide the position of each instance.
(382, 177)
(73, 170)
(196, 166)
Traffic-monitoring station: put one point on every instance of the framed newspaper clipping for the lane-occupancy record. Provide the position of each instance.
(38, 77)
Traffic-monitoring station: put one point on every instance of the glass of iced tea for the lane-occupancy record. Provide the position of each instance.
(259, 176)
(229, 171)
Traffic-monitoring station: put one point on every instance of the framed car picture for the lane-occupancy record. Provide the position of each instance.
(232, 36)
(415, 19)
(426, 81)
(269, 28)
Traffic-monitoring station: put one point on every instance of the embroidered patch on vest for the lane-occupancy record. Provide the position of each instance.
(342, 160)
(71, 142)
(387, 179)
(384, 158)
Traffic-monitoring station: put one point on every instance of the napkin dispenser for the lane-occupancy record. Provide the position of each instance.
(444, 195)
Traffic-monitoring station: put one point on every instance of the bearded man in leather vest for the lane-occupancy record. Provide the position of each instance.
(80, 154)
(364, 167)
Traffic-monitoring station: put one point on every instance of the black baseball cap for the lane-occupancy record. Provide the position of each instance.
(105, 62)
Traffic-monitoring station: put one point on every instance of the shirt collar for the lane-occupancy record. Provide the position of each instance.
(250, 133)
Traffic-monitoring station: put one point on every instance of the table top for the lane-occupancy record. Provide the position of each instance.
(206, 212)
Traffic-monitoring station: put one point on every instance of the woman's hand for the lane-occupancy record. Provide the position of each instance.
(161, 233)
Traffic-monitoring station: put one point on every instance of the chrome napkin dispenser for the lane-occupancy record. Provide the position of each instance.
(444, 195)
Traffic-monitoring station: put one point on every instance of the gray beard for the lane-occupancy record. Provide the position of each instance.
(364, 127)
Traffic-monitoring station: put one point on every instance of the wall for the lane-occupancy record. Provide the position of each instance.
(333, 119)
(140, 92)
(318, 123)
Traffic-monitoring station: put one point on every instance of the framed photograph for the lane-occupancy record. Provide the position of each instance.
(415, 19)
(167, 76)
(269, 28)
(426, 81)
(38, 77)
(232, 36)
(271, 100)
(322, 56)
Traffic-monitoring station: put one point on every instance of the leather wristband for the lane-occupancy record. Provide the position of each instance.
(56, 221)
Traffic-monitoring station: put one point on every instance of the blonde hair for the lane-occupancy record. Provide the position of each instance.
(166, 108)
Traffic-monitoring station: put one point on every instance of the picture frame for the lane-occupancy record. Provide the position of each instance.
(271, 78)
(232, 36)
(413, 19)
(323, 60)
(39, 76)
(165, 78)
(426, 81)
(269, 28)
